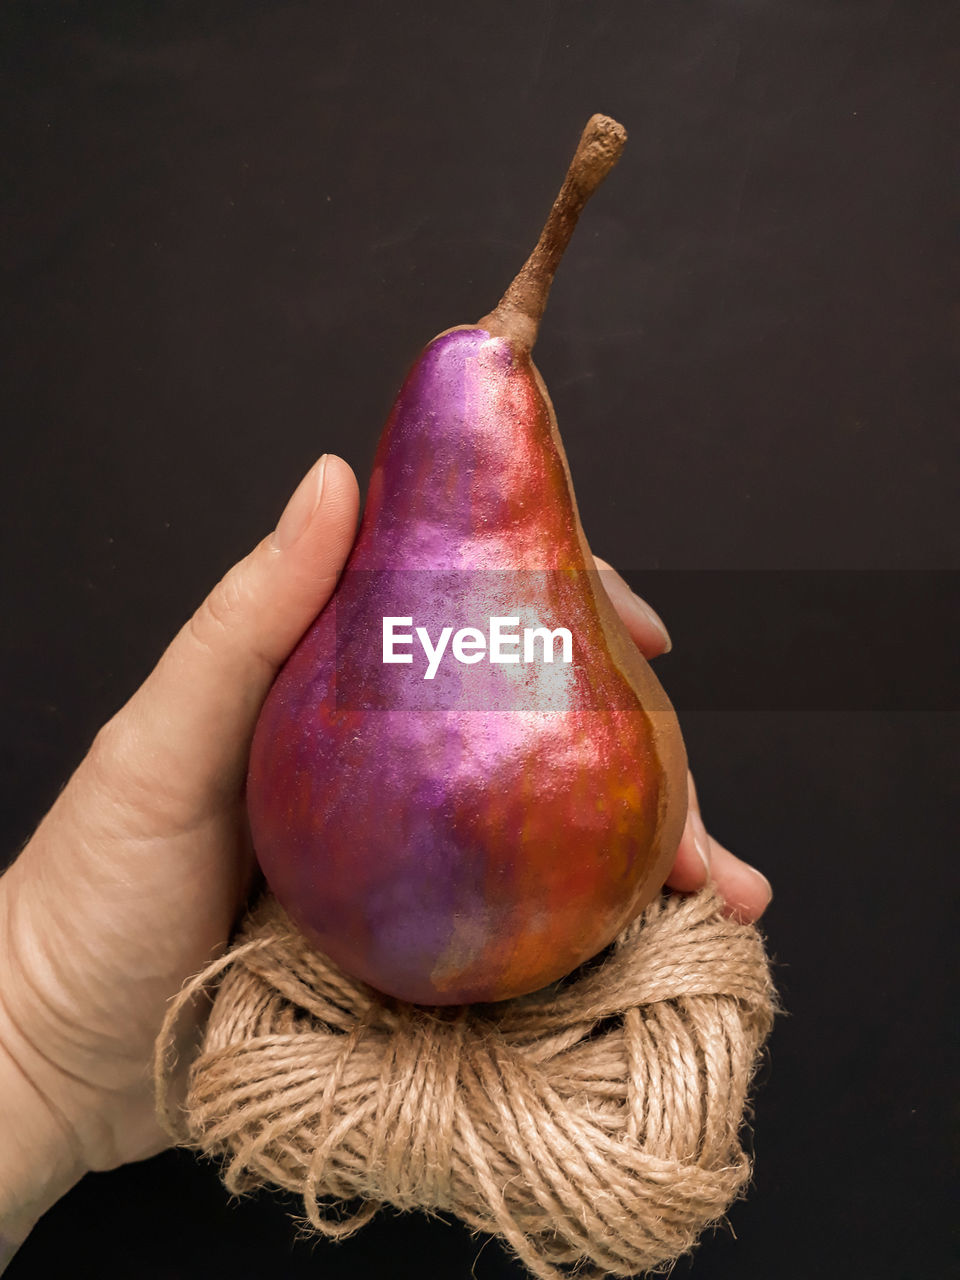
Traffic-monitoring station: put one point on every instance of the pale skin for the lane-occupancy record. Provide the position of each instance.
(135, 877)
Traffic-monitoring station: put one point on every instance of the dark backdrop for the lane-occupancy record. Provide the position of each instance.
(230, 227)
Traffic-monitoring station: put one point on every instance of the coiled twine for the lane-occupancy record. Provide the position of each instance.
(594, 1124)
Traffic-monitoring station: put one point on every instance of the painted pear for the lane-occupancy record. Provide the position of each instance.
(475, 834)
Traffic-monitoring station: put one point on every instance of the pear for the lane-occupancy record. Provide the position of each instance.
(477, 833)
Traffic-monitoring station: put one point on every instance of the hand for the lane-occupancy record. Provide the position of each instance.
(134, 879)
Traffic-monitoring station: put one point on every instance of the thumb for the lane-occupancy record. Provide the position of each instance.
(187, 729)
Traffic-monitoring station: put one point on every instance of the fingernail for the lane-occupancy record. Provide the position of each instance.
(619, 591)
(747, 892)
(768, 887)
(701, 841)
(653, 617)
(303, 503)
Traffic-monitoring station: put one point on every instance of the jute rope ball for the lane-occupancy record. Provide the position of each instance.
(593, 1124)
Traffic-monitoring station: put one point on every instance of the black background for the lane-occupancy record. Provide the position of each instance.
(228, 230)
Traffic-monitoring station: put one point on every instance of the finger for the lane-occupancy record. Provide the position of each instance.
(691, 869)
(646, 627)
(195, 714)
(746, 892)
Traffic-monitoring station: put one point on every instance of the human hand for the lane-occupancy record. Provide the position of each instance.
(134, 879)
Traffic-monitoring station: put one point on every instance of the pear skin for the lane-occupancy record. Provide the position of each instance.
(477, 834)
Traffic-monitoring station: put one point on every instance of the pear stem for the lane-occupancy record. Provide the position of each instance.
(517, 315)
